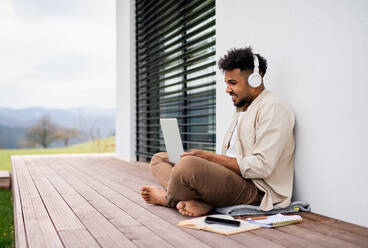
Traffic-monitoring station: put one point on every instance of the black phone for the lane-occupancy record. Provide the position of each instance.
(214, 220)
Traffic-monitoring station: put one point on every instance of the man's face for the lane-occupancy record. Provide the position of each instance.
(238, 88)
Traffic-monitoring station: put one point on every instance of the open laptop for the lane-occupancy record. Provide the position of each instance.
(174, 146)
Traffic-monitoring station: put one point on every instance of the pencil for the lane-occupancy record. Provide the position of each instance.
(258, 218)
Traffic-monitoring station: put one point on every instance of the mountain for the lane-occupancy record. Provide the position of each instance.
(10, 137)
(88, 120)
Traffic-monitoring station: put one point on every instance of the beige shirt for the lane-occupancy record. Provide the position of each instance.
(265, 147)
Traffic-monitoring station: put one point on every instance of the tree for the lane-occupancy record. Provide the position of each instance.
(65, 134)
(44, 132)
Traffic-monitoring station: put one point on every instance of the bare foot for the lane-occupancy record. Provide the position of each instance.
(154, 195)
(193, 208)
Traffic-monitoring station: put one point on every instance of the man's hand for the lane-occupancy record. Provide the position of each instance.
(223, 160)
(198, 153)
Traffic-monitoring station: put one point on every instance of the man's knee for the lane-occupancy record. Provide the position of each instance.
(158, 157)
(187, 166)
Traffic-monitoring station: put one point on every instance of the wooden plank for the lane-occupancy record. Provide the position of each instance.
(77, 238)
(130, 189)
(159, 227)
(103, 205)
(144, 237)
(338, 229)
(114, 214)
(313, 217)
(62, 216)
(125, 170)
(315, 236)
(250, 239)
(137, 169)
(329, 231)
(20, 234)
(4, 174)
(284, 239)
(4, 180)
(102, 230)
(40, 231)
(360, 230)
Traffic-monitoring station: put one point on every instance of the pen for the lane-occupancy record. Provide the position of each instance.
(257, 218)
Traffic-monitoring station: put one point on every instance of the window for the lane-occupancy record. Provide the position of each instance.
(175, 73)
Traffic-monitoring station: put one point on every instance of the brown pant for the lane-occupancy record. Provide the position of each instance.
(196, 178)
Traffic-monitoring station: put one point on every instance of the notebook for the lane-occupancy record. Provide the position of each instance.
(199, 224)
(277, 220)
(173, 144)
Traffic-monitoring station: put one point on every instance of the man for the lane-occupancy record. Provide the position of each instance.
(257, 161)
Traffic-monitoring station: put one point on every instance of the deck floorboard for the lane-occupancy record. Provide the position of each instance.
(93, 201)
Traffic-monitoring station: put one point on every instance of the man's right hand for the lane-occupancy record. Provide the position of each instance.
(198, 153)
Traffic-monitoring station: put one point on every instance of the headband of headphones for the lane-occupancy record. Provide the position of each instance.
(256, 64)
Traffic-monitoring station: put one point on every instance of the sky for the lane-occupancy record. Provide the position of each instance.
(57, 53)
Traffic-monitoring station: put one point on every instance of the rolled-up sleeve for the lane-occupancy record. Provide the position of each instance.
(273, 129)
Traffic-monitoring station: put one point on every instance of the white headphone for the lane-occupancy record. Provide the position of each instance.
(255, 79)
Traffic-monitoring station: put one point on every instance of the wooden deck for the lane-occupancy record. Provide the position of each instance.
(94, 201)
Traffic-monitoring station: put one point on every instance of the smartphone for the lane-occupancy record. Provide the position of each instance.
(214, 220)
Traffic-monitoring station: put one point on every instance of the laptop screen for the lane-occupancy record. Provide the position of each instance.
(173, 144)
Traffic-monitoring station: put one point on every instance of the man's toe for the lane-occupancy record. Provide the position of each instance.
(180, 205)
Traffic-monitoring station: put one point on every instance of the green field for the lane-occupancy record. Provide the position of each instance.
(6, 206)
(104, 145)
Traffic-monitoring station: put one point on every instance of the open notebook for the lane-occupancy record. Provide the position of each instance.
(198, 223)
(277, 220)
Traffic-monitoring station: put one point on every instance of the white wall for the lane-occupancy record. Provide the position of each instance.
(317, 53)
(125, 89)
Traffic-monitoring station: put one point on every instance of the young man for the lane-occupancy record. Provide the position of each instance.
(257, 161)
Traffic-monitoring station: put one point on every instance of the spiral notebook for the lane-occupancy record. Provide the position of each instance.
(277, 220)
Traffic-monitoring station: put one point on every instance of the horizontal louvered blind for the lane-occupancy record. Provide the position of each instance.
(175, 56)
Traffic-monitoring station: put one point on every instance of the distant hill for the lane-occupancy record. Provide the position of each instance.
(10, 137)
(14, 122)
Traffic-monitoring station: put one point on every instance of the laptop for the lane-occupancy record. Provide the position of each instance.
(174, 146)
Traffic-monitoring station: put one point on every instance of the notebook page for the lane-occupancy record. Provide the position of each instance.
(278, 220)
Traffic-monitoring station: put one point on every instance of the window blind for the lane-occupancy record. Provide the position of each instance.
(175, 73)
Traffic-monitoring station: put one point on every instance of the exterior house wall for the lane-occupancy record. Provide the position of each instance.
(317, 54)
(125, 88)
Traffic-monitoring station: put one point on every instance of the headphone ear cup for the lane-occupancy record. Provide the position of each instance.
(254, 80)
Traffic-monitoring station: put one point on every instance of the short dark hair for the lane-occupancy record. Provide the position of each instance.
(241, 58)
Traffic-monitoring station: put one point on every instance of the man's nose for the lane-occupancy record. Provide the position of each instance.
(228, 89)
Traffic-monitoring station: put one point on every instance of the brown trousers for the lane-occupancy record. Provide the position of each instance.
(196, 178)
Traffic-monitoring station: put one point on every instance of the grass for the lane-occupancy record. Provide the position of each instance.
(6, 204)
(103, 145)
(6, 219)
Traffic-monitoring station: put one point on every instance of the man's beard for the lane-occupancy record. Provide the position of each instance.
(242, 102)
